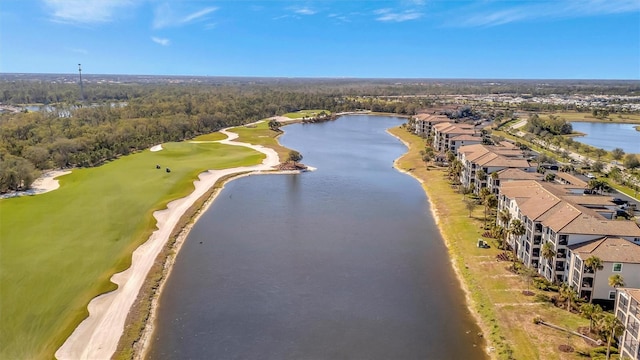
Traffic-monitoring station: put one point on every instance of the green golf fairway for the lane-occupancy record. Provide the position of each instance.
(59, 249)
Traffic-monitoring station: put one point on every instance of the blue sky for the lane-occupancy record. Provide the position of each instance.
(552, 39)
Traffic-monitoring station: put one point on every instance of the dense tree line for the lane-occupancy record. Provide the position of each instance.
(93, 134)
(551, 125)
(39, 88)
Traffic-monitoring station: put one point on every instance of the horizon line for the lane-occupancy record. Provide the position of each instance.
(327, 77)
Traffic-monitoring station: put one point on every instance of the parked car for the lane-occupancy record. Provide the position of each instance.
(622, 214)
(619, 201)
(483, 244)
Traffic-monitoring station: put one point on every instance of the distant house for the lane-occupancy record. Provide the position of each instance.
(628, 311)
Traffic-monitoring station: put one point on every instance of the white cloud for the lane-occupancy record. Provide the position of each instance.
(559, 9)
(87, 11)
(161, 41)
(305, 11)
(166, 17)
(388, 15)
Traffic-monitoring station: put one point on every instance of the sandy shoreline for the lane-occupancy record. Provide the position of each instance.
(98, 335)
(463, 285)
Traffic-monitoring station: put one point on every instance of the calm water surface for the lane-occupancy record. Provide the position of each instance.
(609, 136)
(342, 263)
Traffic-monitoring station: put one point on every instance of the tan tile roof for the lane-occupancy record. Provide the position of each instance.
(466, 137)
(571, 179)
(518, 174)
(454, 128)
(554, 207)
(610, 249)
(591, 226)
(589, 200)
(432, 118)
(485, 156)
(634, 293)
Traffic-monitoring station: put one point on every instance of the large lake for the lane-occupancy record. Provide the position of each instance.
(609, 136)
(342, 263)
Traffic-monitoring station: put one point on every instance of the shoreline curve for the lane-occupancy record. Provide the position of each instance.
(98, 335)
(470, 304)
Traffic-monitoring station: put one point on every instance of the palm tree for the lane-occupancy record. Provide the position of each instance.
(547, 251)
(516, 229)
(594, 263)
(611, 327)
(590, 312)
(505, 217)
(490, 201)
(569, 294)
(481, 176)
(616, 281)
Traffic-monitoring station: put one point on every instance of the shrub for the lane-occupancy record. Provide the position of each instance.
(601, 351)
(542, 298)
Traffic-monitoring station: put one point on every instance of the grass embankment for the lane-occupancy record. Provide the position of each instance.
(129, 346)
(306, 113)
(506, 315)
(215, 136)
(260, 134)
(59, 249)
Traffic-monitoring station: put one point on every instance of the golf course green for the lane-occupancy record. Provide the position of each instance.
(59, 249)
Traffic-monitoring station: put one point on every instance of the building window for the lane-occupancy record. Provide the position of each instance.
(617, 267)
(612, 295)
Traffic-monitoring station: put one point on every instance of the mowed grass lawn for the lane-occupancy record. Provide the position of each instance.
(260, 134)
(507, 315)
(305, 113)
(59, 249)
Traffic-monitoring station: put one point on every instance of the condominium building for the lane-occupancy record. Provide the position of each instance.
(489, 159)
(443, 134)
(423, 123)
(628, 311)
(552, 214)
(619, 257)
(509, 175)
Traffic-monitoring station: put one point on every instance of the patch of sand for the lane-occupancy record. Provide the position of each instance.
(98, 335)
(156, 148)
(48, 181)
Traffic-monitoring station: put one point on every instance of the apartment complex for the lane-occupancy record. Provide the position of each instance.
(449, 136)
(619, 257)
(628, 311)
(423, 123)
(490, 159)
(509, 175)
(552, 213)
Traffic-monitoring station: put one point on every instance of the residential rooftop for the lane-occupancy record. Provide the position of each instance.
(555, 207)
(610, 249)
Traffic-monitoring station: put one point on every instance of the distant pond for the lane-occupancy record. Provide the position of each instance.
(609, 136)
